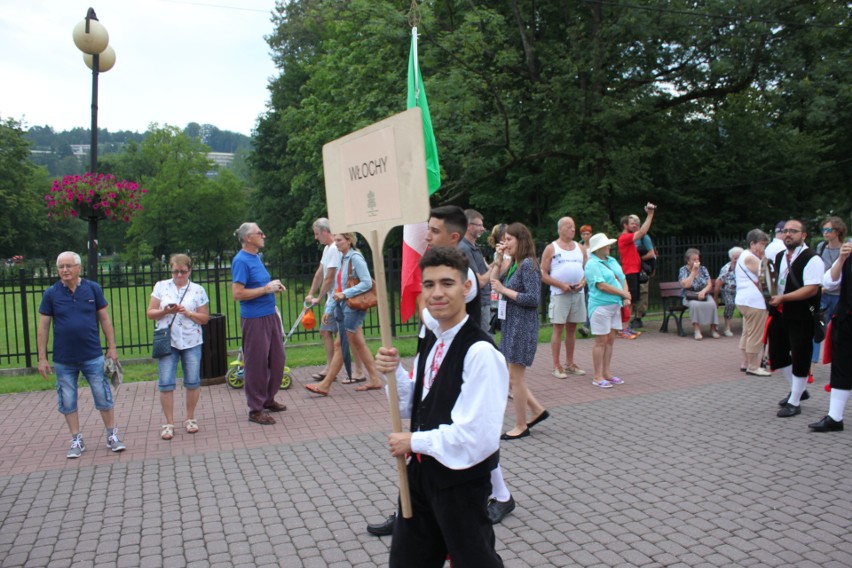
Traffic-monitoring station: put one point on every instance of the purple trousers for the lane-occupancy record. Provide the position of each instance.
(263, 353)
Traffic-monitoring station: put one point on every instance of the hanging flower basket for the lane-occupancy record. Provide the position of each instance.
(94, 196)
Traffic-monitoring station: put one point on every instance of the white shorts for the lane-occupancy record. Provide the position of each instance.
(567, 308)
(605, 318)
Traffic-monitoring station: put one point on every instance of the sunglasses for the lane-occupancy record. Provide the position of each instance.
(827, 230)
(180, 271)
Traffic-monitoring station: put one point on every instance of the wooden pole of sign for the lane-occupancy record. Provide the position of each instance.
(375, 180)
(377, 242)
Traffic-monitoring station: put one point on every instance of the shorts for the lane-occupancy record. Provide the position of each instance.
(605, 319)
(567, 308)
(330, 327)
(67, 375)
(190, 360)
(353, 319)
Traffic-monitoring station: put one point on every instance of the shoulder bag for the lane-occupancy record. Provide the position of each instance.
(163, 337)
(365, 300)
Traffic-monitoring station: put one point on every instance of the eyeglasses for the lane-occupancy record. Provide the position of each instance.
(790, 231)
(477, 224)
(827, 229)
(258, 233)
(66, 266)
(180, 271)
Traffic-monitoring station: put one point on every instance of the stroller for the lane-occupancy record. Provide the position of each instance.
(236, 373)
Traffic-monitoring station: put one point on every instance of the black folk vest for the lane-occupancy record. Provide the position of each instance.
(844, 305)
(436, 408)
(797, 310)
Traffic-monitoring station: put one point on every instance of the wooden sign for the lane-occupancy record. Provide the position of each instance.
(375, 180)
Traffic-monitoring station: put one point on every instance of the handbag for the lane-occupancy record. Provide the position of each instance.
(365, 300)
(163, 337)
(692, 295)
(819, 324)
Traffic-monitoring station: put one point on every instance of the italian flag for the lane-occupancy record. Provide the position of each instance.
(414, 236)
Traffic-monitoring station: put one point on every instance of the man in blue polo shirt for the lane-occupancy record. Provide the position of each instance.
(263, 337)
(76, 307)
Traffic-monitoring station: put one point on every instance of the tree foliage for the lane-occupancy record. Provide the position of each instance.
(22, 211)
(186, 208)
(728, 114)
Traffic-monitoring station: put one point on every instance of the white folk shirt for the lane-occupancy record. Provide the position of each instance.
(185, 332)
(812, 274)
(477, 414)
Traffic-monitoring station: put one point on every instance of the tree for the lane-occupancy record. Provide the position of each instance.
(547, 108)
(22, 213)
(185, 208)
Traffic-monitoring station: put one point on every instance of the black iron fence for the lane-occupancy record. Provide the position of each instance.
(128, 291)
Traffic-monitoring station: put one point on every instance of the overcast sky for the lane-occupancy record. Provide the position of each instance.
(177, 61)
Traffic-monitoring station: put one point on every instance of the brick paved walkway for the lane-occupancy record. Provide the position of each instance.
(685, 465)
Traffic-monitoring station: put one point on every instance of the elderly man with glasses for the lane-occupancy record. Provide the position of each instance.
(263, 335)
(76, 306)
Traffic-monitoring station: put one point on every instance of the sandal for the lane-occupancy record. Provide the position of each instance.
(364, 388)
(168, 432)
(353, 380)
(261, 418)
(191, 426)
(316, 390)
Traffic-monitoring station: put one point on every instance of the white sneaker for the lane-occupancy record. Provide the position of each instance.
(759, 372)
(574, 369)
(560, 374)
(728, 333)
(114, 443)
(715, 334)
(698, 336)
(77, 447)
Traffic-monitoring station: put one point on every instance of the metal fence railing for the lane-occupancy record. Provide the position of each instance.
(128, 291)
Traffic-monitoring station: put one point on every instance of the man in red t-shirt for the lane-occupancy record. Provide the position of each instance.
(631, 263)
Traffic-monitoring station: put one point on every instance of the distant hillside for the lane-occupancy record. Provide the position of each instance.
(61, 152)
(45, 139)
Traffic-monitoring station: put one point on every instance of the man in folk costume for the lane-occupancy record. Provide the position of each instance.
(446, 228)
(791, 329)
(456, 398)
(839, 277)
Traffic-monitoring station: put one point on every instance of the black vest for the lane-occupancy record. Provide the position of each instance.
(844, 305)
(435, 409)
(797, 310)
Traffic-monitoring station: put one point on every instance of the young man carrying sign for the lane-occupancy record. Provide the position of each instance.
(456, 398)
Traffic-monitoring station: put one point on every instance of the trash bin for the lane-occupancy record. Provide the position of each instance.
(214, 352)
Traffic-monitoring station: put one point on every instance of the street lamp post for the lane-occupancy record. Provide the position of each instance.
(92, 39)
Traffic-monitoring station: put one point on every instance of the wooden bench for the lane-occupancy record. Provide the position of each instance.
(670, 294)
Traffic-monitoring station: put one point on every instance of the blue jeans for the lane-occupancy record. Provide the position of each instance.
(828, 304)
(190, 361)
(67, 375)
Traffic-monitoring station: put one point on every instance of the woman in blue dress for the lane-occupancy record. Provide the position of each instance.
(519, 287)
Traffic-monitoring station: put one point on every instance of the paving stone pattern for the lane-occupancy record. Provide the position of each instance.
(685, 465)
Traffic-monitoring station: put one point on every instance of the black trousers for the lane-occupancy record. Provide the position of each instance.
(445, 521)
(791, 342)
(633, 287)
(841, 353)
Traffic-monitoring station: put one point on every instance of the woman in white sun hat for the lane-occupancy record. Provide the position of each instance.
(608, 292)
